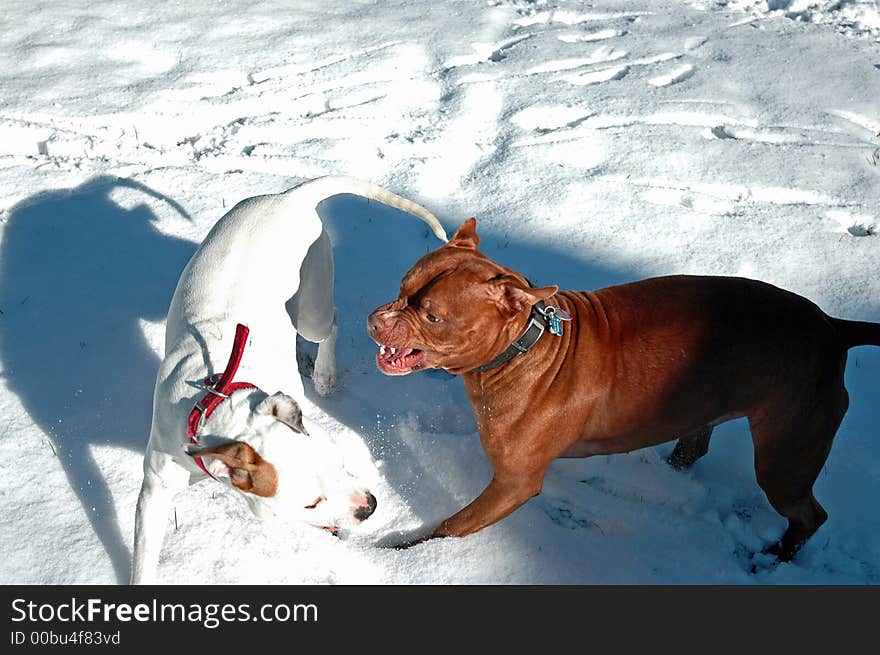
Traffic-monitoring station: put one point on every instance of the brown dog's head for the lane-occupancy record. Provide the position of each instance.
(457, 310)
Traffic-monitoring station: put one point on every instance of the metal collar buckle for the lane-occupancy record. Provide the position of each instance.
(533, 323)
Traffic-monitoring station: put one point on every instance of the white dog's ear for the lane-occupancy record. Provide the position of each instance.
(243, 466)
(285, 409)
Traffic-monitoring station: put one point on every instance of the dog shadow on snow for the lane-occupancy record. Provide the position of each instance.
(80, 271)
(77, 273)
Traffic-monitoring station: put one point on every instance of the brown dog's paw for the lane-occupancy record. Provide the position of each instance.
(402, 540)
(772, 556)
(782, 550)
(762, 562)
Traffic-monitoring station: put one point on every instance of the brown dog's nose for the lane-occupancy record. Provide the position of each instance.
(378, 324)
(364, 512)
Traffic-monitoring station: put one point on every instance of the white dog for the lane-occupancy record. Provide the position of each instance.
(263, 274)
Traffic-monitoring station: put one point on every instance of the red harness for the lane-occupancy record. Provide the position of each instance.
(219, 387)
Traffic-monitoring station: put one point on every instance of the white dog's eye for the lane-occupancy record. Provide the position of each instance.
(317, 502)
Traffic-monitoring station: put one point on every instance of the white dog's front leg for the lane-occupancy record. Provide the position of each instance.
(151, 517)
(324, 376)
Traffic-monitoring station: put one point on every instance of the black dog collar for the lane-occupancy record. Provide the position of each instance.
(541, 319)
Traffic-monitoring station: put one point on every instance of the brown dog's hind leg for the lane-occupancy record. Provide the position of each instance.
(690, 448)
(789, 454)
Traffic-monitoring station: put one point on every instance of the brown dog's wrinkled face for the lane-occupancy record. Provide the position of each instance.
(457, 309)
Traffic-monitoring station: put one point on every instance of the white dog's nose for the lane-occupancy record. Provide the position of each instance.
(366, 508)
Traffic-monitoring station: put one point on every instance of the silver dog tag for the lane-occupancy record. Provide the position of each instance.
(555, 317)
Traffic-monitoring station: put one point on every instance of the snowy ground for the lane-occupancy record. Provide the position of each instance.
(596, 142)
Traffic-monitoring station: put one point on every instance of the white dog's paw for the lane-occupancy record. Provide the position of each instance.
(325, 384)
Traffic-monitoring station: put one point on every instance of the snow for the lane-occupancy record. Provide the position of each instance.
(595, 142)
(851, 17)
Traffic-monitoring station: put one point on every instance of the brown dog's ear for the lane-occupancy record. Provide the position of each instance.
(285, 409)
(513, 296)
(466, 235)
(243, 465)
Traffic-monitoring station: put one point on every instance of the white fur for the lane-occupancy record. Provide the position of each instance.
(245, 270)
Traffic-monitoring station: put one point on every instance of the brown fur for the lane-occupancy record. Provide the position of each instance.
(247, 470)
(640, 364)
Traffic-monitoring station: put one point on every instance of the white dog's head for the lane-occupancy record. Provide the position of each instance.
(282, 469)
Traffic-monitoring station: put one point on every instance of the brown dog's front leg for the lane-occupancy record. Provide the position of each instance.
(499, 499)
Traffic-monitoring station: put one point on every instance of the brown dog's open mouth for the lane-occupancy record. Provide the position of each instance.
(399, 361)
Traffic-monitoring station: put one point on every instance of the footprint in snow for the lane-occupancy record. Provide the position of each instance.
(721, 132)
(674, 77)
(597, 77)
(546, 118)
(564, 514)
(601, 55)
(486, 52)
(599, 35)
(859, 230)
(857, 225)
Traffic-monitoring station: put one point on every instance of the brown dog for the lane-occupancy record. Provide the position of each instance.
(572, 374)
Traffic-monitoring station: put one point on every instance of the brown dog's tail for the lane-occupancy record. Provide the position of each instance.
(858, 333)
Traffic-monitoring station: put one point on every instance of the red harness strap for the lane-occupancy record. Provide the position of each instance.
(219, 387)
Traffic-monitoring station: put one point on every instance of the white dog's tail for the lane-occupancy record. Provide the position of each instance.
(331, 185)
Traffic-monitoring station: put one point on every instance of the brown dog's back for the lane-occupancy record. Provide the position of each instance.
(681, 352)
(638, 364)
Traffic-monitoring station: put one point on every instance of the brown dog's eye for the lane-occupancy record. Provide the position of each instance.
(432, 318)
